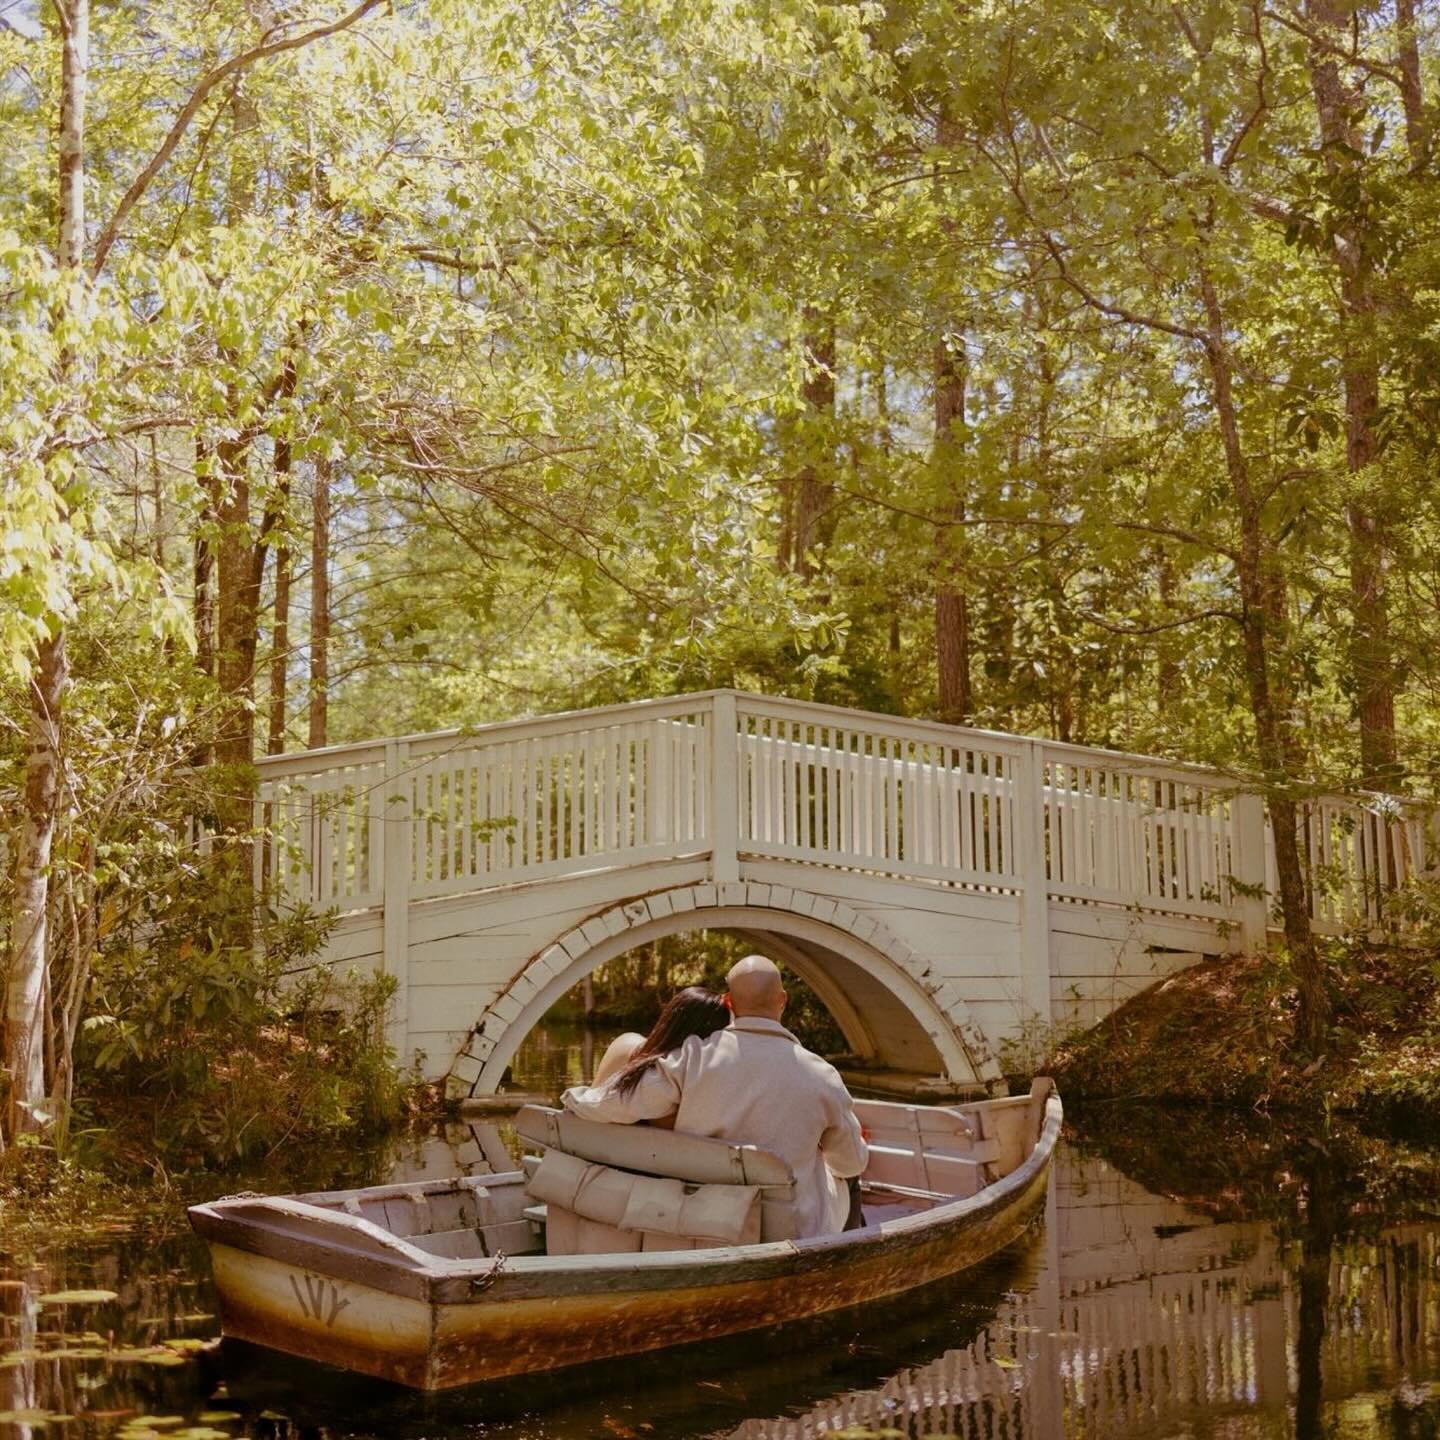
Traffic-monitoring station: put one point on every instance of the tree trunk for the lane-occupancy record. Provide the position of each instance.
(1373, 672)
(237, 612)
(25, 983)
(280, 630)
(811, 509)
(1169, 677)
(320, 607)
(204, 601)
(952, 612)
(1264, 619)
(27, 972)
(1412, 97)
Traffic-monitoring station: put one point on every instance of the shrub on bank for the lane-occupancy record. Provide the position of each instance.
(210, 1053)
(1222, 1032)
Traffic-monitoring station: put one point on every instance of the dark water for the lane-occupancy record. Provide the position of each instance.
(1191, 1276)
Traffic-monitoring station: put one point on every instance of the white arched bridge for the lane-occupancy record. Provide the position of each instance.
(945, 891)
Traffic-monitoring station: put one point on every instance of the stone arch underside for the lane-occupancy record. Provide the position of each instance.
(893, 1011)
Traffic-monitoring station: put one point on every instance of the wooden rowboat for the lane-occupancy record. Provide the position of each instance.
(445, 1283)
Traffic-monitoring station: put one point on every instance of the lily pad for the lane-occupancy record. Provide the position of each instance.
(145, 1355)
(78, 1297)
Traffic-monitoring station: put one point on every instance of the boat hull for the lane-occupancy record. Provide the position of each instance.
(442, 1333)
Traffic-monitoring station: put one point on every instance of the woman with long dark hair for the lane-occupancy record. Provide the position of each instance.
(692, 1011)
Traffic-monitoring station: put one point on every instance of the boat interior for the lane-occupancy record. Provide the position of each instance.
(592, 1188)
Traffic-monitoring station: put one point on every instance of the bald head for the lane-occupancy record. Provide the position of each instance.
(755, 988)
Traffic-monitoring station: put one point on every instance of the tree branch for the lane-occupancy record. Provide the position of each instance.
(1218, 612)
(234, 66)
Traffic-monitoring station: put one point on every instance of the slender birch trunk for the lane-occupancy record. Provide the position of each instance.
(27, 971)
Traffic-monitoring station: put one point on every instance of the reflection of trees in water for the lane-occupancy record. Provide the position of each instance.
(161, 1293)
(17, 1335)
(1239, 1324)
(1157, 1314)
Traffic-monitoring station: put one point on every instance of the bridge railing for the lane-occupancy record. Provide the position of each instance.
(729, 775)
(446, 813)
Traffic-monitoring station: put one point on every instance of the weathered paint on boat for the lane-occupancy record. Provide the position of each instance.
(450, 1323)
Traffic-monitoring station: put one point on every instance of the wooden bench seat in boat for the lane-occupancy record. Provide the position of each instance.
(687, 1207)
(929, 1148)
(463, 1219)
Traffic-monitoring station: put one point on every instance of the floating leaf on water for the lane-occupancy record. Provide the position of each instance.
(157, 1422)
(219, 1417)
(78, 1297)
(1005, 1362)
(190, 1344)
(145, 1355)
(19, 1357)
(27, 1417)
(76, 1352)
(199, 1432)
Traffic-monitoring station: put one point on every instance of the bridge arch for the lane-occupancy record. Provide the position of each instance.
(889, 1006)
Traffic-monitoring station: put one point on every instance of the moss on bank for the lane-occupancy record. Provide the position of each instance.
(1221, 1033)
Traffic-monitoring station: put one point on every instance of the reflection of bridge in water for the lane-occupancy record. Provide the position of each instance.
(1146, 1314)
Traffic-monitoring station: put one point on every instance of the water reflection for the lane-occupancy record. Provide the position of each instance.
(1148, 1317)
(1304, 1303)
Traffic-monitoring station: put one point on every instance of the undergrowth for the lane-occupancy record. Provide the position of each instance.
(1222, 1032)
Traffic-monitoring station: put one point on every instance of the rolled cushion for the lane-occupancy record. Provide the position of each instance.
(720, 1214)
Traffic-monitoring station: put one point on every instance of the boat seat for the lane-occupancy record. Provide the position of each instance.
(703, 1191)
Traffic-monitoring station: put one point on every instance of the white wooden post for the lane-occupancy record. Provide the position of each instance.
(396, 828)
(1248, 866)
(724, 789)
(1028, 792)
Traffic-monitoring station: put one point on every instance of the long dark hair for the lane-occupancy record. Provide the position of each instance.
(692, 1011)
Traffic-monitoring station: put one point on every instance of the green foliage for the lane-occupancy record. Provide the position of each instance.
(545, 286)
(213, 1055)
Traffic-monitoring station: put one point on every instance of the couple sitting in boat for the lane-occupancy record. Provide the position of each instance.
(724, 1066)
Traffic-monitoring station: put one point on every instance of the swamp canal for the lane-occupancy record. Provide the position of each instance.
(1194, 1274)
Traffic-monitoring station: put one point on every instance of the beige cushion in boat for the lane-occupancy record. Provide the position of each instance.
(716, 1214)
(666, 1155)
(653, 1151)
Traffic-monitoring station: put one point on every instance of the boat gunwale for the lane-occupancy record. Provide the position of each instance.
(519, 1276)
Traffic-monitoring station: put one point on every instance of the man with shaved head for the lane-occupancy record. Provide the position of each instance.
(753, 1083)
